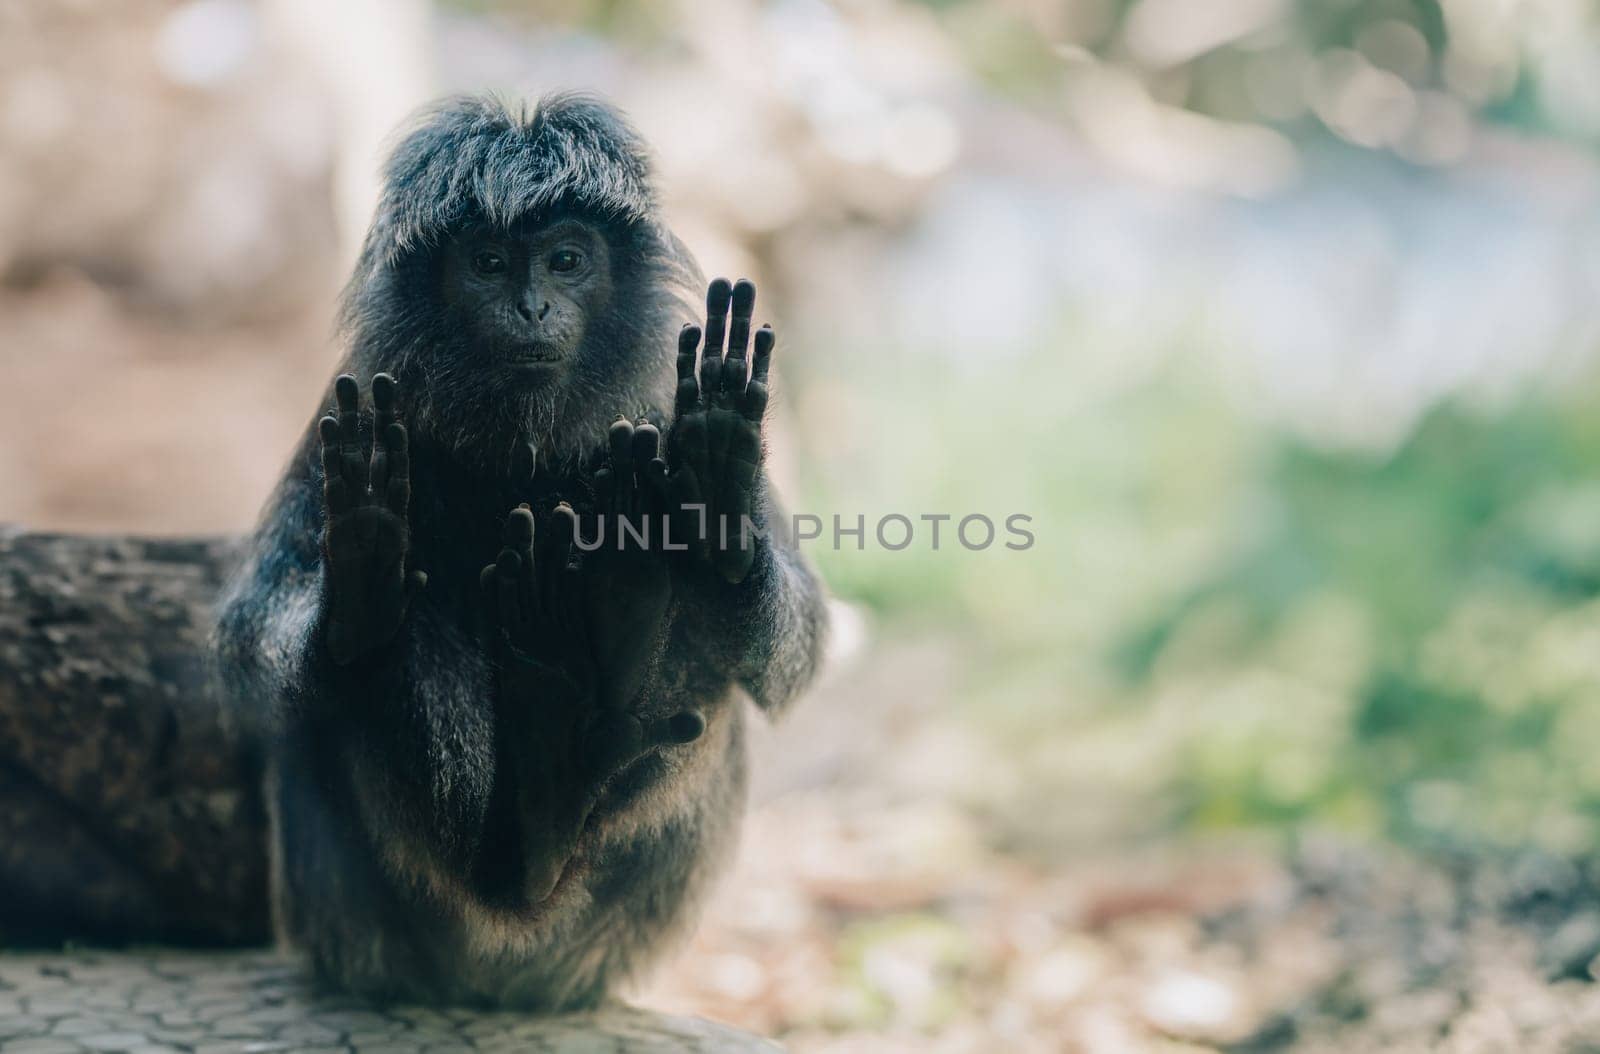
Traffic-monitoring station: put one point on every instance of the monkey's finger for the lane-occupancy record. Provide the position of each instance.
(766, 340)
(488, 604)
(508, 568)
(335, 492)
(488, 591)
(621, 440)
(710, 379)
(563, 534)
(519, 540)
(755, 393)
(688, 398)
(718, 293)
(754, 405)
(653, 486)
(353, 460)
(733, 367)
(518, 533)
(347, 392)
(646, 442)
(398, 491)
(383, 388)
(646, 446)
(328, 435)
(717, 297)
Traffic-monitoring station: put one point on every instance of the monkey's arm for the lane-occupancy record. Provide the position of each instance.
(767, 631)
(749, 600)
(395, 710)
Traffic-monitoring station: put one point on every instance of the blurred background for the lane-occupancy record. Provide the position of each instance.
(1278, 317)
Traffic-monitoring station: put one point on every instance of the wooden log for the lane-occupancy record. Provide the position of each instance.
(127, 810)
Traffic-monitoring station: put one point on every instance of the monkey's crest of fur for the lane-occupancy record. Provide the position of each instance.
(476, 155)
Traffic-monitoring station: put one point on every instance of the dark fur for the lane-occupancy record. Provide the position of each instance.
(381, 773)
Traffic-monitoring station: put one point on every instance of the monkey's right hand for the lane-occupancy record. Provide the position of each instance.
(365, 537)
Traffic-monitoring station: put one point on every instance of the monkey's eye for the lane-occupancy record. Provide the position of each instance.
(563, 260)
(489, 262)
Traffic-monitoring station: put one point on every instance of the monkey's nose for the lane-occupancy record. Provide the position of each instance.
(530, 313)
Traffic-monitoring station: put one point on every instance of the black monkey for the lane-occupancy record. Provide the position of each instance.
(510, 783)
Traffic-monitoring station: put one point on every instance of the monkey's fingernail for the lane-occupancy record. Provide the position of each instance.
(525, 505)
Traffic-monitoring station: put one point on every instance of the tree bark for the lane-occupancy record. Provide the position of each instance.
(127, 810)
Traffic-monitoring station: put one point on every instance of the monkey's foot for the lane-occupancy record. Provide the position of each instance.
(617, 740)
(365, 540)
(532, 608)
(627, 583)
(715, 445)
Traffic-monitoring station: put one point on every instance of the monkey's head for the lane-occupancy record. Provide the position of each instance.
(518, 281)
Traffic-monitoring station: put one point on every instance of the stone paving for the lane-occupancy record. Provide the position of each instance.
(259, 1003)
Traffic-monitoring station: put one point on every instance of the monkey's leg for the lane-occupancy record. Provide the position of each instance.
(545, 696)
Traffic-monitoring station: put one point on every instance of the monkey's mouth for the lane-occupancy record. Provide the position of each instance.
(533, 356)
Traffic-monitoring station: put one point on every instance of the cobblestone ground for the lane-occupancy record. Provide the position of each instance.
(259, 1003)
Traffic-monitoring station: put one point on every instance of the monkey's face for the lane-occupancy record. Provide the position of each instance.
(525, 298)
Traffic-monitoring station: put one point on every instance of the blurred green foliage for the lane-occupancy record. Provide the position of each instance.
(1468, 563)
(1252, 628)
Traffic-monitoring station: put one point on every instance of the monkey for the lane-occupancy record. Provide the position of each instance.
(503, 761)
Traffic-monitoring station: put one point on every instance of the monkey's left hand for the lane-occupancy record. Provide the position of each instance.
(714, 448)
